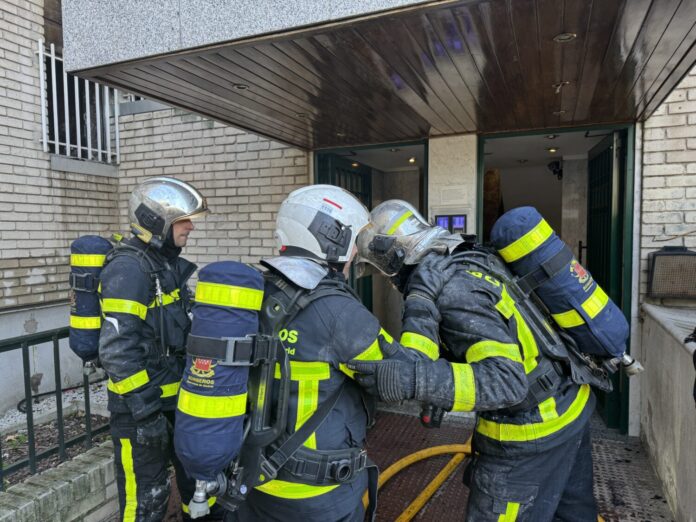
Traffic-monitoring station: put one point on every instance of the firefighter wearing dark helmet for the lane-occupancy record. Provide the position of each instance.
(144, 300)
(326, 477)
(532, 457)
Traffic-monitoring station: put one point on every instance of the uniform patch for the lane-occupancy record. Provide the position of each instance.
(203, 367)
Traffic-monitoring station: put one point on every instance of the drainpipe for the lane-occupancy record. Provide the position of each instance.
(634, 397)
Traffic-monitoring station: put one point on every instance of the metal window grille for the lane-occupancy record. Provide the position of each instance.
(79, 118)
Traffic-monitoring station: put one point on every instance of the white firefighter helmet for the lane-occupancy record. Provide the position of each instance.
(320, 222)
(158, 202)
(396, 236)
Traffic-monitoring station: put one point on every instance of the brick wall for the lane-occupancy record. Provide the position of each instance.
(669, 174)
(243, 176)
(41, 210)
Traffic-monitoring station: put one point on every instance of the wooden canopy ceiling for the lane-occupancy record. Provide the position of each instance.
(443, 68)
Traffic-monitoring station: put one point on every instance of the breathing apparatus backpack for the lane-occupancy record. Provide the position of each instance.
(87, 256)
(550, 283)
(226, 459)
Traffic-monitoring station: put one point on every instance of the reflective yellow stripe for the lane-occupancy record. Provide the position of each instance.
(536, 430)
(596, 302)
(371, 353)
(128, 384)
(211, 407)
(464, 387)
(292, 490)
(398, 222)
(421, 343)
(87, 260)
(85, 323)
(485, 349)
(569, 319)
(308, 374)
(300, 371)
(506, 306)
(592, 306)
(169, 298)
(527, 243)
(547, 409)
(131, 486)
(123, 306)
(169, 390)
(307, 402)
(511, 511)
(229, 295)
(211, 503)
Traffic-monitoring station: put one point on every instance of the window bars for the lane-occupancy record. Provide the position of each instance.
(76, 114)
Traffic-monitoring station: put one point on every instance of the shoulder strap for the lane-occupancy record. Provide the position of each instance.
(281, 455)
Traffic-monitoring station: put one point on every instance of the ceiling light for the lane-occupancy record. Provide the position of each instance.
(552, 150)
(551, 136)
(394, 150)
(559, 113)
(564, 37)
(340, 134)
(411, 159)
(240, 86)
(522, 161)
(354, 164)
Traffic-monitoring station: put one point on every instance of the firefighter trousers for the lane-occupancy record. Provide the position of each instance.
(142, 472)
(553, 485)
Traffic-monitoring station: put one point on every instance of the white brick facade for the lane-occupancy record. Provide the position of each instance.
(243, 176)
(668, 206)
(40, 210)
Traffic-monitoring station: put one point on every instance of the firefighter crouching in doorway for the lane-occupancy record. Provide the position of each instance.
(145, 301)
(326, 478)
(532, 452)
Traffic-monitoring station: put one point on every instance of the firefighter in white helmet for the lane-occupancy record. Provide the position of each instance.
(326, 477)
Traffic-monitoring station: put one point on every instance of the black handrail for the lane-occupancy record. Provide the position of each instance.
(23, 343)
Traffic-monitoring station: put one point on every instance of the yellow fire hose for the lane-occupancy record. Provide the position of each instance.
(461, 451)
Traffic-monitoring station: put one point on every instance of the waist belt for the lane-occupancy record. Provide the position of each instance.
(324, 467)
(544, 381)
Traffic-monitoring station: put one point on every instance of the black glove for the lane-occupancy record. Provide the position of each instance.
(394, 351)
(390, 380)
(155, 431)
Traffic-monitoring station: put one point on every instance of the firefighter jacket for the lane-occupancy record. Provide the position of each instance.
(491, 353)
(327, 333)
(141, 344)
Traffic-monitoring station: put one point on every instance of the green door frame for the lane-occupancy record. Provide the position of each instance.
(627, 254)
(424, 184)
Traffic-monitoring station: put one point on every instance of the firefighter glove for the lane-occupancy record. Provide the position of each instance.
(390, 380)
(155, 431)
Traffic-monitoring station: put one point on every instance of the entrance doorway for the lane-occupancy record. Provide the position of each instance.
(581, 182)
(375, 174)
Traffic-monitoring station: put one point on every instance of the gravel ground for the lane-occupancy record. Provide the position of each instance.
(45, 406)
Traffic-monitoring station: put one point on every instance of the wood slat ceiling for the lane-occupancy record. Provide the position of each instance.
(447, 68)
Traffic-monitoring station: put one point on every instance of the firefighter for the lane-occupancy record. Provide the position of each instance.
(325, 479)
(145, 302)
(532, 453)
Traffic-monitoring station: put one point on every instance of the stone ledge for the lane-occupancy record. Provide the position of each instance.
(677, 322)
(79, 490)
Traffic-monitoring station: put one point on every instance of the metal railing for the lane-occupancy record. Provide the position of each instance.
(76, 114)
(23, 343)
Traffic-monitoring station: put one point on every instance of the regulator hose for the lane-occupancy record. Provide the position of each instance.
(461, 451)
